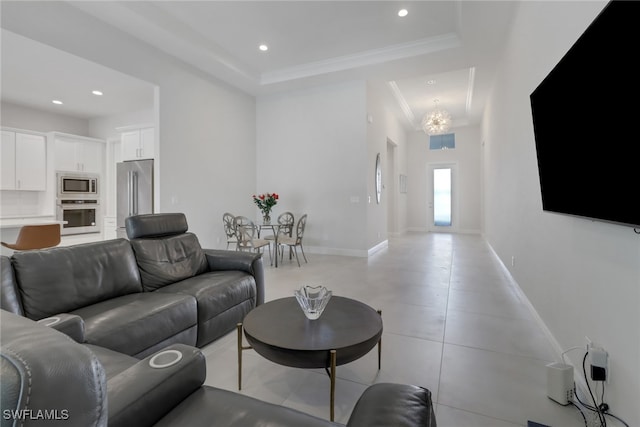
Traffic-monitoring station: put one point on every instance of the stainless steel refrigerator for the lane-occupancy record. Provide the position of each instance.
(134, 192)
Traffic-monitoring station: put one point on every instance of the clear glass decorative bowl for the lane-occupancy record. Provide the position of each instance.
(312, 300)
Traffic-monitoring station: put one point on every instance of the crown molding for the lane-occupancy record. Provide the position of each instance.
(402, 102)
(472, 79)
(361, 59)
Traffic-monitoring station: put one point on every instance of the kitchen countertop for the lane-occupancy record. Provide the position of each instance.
(17, 222)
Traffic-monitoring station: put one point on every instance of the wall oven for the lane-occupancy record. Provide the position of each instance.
(80, 216)
(77, 185)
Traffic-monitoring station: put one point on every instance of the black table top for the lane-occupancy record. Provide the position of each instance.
(280, 332)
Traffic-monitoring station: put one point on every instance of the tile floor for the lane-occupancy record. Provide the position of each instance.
(453, 323)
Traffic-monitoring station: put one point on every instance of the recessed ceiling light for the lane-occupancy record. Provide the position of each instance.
(263, 47)
(403, 12)
(97, 92)
(431, 82)
(55, 101)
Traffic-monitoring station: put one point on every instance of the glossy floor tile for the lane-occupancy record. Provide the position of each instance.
(453, 321)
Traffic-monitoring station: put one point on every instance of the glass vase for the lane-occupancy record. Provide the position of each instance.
(312, 300)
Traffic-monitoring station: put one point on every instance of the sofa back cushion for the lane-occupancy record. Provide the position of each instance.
(169, 259)
(155, 225)
(63, 279)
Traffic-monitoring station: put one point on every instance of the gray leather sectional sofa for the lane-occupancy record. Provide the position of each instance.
(137, 296)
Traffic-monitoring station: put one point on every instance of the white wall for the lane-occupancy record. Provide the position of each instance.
(105, 127)
(581, 276)
(316, 148)
(384, 133)
(311, 150)
(207, 129)
(23, 117)
(467, 158)
(23, 204)
(398, 135)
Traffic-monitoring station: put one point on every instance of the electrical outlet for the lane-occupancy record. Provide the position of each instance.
(599, 363)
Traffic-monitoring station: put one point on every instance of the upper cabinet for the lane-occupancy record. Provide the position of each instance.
(78, 154)
(137, 144)
(24, 161)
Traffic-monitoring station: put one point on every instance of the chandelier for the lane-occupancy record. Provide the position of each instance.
(436, 122)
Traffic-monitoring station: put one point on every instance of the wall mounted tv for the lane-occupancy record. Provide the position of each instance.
(586, 120)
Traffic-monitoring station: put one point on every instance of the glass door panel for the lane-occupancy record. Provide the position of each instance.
(442, 197)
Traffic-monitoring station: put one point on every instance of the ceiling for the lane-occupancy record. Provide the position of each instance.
(452, 44)
(34, 74)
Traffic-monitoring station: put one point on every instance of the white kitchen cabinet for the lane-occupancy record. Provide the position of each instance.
(77, 154)
(109, 227)
(24, 161)
(92, 155)
(8, 161)
(138, 144)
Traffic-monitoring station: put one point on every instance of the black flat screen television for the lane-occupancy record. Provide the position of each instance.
(586, 120)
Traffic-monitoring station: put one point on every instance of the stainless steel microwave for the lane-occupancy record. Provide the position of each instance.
(76, 185)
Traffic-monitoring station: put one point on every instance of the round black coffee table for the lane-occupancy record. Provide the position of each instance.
(279, 331)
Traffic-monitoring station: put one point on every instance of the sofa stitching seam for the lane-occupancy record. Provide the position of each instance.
(29, 375)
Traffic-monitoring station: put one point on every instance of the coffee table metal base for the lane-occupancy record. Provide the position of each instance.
(331, 369)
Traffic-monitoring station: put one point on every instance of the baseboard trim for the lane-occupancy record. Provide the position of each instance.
(361, 253)
(452, 231)
(380, 246)
(580, 382)
(323, 250)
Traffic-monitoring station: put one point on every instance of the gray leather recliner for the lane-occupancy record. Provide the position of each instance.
(171, 261)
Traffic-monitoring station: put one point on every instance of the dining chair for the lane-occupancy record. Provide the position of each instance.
(239, 221)
(284, 227)
(36, 237)
(230, 228)
(248, 240)
(293, 242)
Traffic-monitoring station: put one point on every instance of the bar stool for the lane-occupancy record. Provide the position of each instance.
(36, 237)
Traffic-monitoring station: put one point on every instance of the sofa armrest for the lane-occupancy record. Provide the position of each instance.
(44, 371)
(9, 294)
(249, 262)
(148, 390)
(398, 405)
(69, 324)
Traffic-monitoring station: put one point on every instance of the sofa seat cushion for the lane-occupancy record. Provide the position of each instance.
(133, 323)
(63, 279)
(216, 291)
(209, 406)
